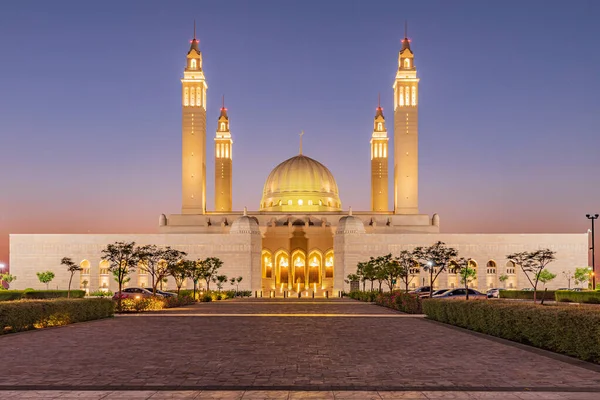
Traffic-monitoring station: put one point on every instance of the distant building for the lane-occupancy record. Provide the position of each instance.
(299, 240)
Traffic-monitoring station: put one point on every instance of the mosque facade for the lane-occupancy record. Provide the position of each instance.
(299, 240)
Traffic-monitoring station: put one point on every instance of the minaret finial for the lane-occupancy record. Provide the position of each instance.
(350, 211)
(378, 100)
(301, 134)
(405, 29)
(223, 106)
(245, 211)
(194, 29)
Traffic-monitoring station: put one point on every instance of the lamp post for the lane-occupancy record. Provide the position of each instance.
(593, 217)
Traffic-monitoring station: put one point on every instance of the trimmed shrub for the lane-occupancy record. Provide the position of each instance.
(527, 294)
(206, 298)
(570, 330)
(368, 296)
(401, 301)
(39, 294)
(577, 297)
(100, 293)
(154, 303)
(180, 301)
(18, 316)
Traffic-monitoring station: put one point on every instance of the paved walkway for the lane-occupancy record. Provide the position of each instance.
(247, 349)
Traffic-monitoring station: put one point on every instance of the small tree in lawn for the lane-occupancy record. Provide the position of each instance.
(8, 278)
(546, 276)
(152, 258)
(406, 261)
(172, 258)
(462, 267)
(236, 282)
(569, 276)
(208, 269)
(503, 278)
(532, 264)
(45, 277)
(434, 260)
(181, 270)
(122, 258)
(72, 268)
(352, 278)
(220, 280)
(582, 275)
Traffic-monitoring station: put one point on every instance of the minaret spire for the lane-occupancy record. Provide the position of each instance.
(405, 29)
(195, 30)
(378, 100)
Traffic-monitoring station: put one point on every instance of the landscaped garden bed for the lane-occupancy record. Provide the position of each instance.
(23, 315)
(397, 300)
(570, 330)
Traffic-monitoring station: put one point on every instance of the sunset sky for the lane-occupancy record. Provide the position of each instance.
(90, 106)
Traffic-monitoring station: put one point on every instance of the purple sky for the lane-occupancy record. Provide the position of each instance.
(90, 117)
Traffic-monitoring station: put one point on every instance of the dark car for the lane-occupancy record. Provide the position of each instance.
(165, 294)
(420, 290)
(461, 294)
(133, 293)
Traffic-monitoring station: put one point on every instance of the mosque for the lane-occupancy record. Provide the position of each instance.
(300, 240)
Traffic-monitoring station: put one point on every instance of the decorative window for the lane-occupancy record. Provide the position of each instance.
(407, 96)
(199, 96)
(300, 202)
(385, 150)
(414, 96)
(222, 126)
(186, 97)
(310, 202)
(192, 97)
(379, 126)
(193, 64)
(289, 202)
(226, 151)
(402, 95)
(218, 151)
(406, 63)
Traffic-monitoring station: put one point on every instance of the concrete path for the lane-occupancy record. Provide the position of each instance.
(282, 349)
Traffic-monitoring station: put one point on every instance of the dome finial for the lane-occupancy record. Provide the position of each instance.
(301, 134)
(245, 211)
(350, 211)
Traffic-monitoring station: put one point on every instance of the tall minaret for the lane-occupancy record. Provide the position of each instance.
(223, 173)
(193, 138)
(379, 163)
(406, 133)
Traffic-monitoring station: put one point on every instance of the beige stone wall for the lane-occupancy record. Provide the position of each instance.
(31, 253)
(571, 253)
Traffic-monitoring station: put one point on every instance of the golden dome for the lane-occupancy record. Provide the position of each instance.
(300, 184)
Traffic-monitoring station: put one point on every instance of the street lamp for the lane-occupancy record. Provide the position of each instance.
(593, 217)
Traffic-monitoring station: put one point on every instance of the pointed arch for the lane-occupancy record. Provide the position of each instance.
(267, 264)
(315, 267)
(329, 263)
(282, 267)
(298, 265)
(193, 63)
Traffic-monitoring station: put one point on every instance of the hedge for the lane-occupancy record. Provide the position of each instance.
(570, 330)
(39, 294)
(154, 303)
(577, 297)
(401, 301)
(527, 294)
(18, 316)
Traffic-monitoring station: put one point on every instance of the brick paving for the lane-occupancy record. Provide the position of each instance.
(330, 353)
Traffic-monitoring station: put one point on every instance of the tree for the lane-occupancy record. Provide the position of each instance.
(503, 278)
(220, 280)
(45, 277)
(582, 275)
(569, 276)
(152, 259)
(462, 267)
(546, 276)
(181, 270)
(388, 269)
(360, 272)
(170, 262)
(532, 263)
(72, 268)
(236, 282)
(122, 258)
(8, 278)
(208, 269)
(434, 260)
(379, 269)
(352, 278)
(406, 262)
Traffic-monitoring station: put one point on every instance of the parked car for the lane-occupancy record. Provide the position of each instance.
(577, 289)
(420, 291)
(165, 294)
(527, 289)
(493, 293)
(133, 293)
(461, 294)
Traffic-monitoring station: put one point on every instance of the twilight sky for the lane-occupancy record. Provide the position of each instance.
(90, 114)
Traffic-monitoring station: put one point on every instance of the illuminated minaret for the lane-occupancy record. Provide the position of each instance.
(406, 133)
(193, 138)
(223, 147)
(379, 163)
